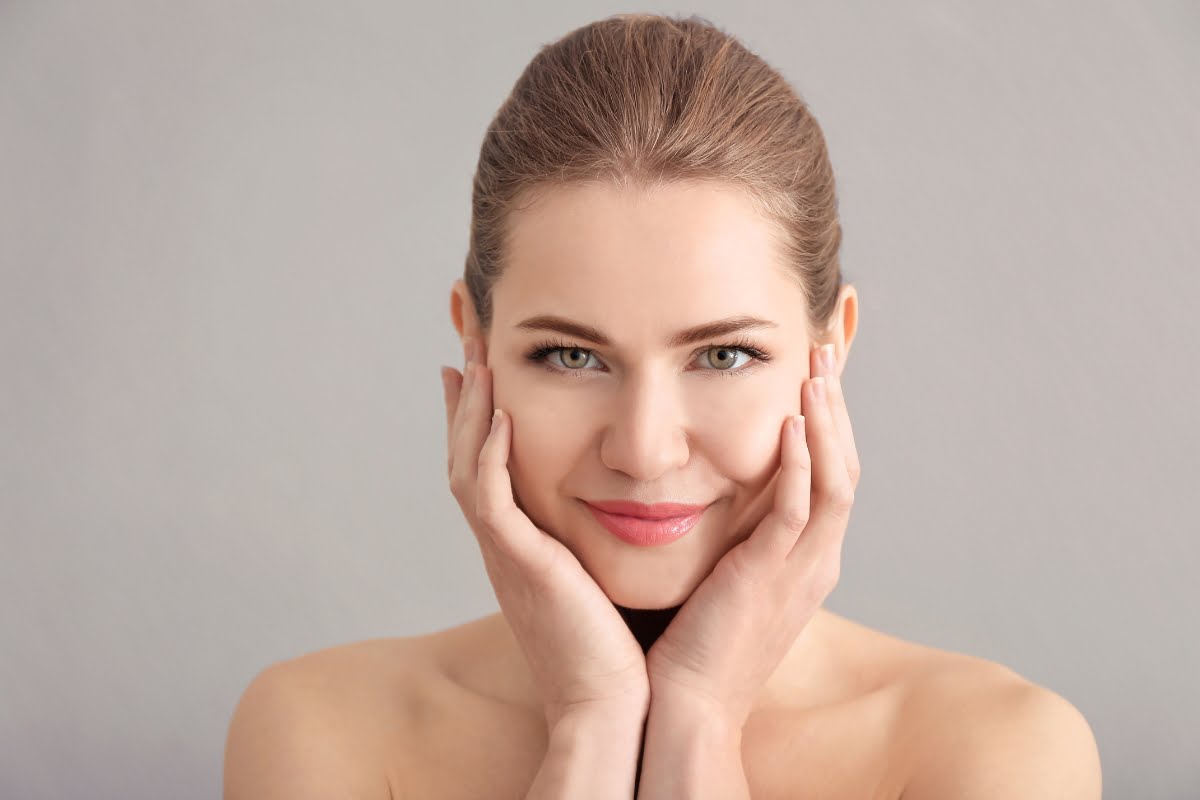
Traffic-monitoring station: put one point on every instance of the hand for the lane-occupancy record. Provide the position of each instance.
(739, 623)
(582, 654)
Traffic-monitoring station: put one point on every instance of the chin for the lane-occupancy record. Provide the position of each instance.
(649, 585)
(648, 601)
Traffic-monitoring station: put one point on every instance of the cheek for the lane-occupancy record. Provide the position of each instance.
(538, 438)
(531, 441)
(744, 428)
(747, 451)
(543, 449)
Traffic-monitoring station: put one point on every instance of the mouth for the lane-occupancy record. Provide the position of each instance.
(646, 525)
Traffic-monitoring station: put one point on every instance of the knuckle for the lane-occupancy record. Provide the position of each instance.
(459, 486)
(489, 513)
(823, 578)
(794, 520)
(829, 575)
(741, 569)
(841, 499)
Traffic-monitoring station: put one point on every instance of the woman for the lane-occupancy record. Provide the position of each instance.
(653, 450)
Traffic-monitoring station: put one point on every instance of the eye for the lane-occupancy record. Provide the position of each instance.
(572, 358)
(722, 358)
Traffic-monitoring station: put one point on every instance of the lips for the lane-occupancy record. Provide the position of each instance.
(647, 525)
(629, 508)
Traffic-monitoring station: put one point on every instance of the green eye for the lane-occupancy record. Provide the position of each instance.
(576, 359)
(574, 354)
(727, 356)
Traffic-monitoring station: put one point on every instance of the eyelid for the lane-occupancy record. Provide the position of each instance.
(758, 357)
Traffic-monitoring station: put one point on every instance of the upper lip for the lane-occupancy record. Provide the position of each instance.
(630, 508)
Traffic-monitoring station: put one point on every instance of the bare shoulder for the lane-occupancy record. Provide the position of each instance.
(388, 718)
(978, 730)
(322, 723)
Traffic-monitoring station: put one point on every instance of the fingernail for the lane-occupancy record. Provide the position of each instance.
(818, 385)
(798, 424)
(827, 356)
(495, 419)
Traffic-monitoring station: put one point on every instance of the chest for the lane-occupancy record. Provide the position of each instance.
(842, 753)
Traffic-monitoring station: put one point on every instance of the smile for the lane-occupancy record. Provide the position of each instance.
(646, 526)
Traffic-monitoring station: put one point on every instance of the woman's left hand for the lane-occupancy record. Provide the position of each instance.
(739, 623)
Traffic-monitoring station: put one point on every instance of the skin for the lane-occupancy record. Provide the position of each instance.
(756, 689)
(642, 421)
(639, 419)
(652, 425)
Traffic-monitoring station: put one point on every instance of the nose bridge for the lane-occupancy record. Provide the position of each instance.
(645, 437)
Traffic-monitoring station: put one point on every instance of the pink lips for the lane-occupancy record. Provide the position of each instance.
(646, 525)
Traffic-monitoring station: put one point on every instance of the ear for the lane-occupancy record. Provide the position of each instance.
(463, 317)
(462, 313)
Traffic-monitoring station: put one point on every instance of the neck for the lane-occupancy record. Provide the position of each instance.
(647, 624)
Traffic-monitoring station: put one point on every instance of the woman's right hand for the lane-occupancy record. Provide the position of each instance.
(583, 655)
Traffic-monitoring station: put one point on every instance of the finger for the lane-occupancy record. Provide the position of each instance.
(832, 493)
(454, 457)
(451, 390)
(473, 427)
(468, 343)
(464, 398)
(841, 416)
(506, 524)
(775, 536)
(821, 368)
(477, 394)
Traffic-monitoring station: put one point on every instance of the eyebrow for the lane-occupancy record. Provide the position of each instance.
(699, 333)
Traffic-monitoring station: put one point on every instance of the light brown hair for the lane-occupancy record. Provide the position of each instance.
(645, 100)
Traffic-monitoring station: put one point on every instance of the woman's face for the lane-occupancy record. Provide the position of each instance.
(638, 418)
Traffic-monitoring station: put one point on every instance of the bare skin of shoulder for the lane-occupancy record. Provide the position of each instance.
(455, 714)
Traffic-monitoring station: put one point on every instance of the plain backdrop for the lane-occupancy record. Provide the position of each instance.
(227, 236)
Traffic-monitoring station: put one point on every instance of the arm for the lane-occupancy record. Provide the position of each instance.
(691, 754)
(1026, 741)
(591, 755)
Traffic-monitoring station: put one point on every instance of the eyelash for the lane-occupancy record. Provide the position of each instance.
(540, 351)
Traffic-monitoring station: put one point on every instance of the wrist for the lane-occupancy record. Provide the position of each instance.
(672, 700)
(610, 716)
(591, 752)
(683, 716)
(692, 752)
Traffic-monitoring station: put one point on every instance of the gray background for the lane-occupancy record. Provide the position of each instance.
(227, 235)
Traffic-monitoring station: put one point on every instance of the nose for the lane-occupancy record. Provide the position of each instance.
(645, 438)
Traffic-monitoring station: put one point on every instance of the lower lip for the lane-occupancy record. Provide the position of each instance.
(646, 532)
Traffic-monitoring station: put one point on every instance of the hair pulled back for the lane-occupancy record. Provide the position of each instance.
(646, 100)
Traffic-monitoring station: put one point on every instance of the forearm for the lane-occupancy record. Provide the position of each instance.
(691, 755)
(591, 756)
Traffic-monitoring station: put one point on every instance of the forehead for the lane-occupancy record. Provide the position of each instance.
(636, 261)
